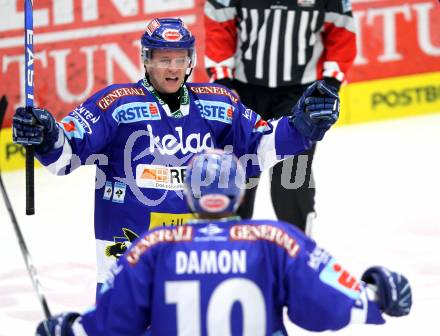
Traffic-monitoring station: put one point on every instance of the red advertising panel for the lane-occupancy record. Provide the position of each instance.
(396, 38)
(82, 46)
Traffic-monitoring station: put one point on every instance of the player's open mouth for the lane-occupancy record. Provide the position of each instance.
(171, 79)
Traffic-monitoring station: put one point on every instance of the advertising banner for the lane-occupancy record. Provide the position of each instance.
(82, 46)
(397, 69)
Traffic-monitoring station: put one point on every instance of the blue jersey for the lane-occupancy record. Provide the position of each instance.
(227, 277)
(141, 151)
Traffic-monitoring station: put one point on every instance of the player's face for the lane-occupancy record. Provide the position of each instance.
(167, 69)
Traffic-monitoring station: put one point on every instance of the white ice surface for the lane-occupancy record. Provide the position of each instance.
(377, 202)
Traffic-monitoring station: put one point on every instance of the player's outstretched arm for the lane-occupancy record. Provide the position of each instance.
(316, 111)
(393, 290)
(322, 295)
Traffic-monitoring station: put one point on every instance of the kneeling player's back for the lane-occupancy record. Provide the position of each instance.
(228, 277)
(221, 276)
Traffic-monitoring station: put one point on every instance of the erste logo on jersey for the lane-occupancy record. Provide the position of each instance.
(137, 111)
(160, 177)
(105, 102)
(334, 275)
(215, 110)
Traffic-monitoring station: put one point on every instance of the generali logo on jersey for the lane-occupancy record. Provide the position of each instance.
(110, 97)
(80, 47)
(177, 234)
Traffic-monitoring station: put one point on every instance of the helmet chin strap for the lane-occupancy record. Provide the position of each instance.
(188, 73)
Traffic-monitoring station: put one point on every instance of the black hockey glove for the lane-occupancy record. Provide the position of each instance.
(35, 126)
(316, 111)
(58, 325)
(393, 290)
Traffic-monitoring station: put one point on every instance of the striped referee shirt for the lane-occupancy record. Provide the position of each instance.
(278, 43)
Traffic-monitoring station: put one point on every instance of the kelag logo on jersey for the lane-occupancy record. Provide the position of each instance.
(170, 145)
(133, 112)
(218, 111)
(160, 177)
(337, 277)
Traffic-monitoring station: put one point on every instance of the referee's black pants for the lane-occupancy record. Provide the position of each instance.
(293, 198)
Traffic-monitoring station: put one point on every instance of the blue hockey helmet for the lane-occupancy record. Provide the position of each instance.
(214, 183)
(167, 33)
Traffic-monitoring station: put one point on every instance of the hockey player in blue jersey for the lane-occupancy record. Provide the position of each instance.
(142, 135)
(220, 275)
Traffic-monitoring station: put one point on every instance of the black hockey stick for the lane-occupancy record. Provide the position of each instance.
(29, 97)
(24, 250)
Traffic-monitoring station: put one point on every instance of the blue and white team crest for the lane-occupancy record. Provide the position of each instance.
(211, 232)
(137, 111)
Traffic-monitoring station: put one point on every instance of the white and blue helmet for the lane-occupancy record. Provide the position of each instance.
(167, 33)
(215, 183)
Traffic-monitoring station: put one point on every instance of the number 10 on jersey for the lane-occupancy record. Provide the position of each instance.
(186, 295)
